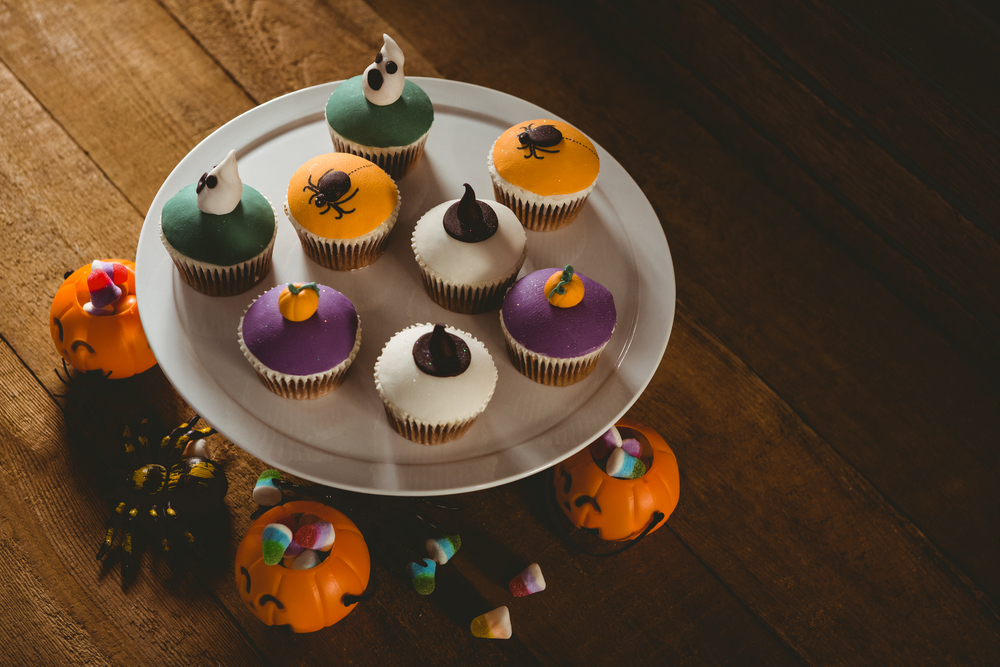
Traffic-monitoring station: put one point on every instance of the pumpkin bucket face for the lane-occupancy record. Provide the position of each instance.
(304, 600)
(619, 509)
(114, 344)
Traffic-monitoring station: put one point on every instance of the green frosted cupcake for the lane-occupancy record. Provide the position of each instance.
(219, 232)
(380, 115)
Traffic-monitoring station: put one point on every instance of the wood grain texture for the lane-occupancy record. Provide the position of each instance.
(892, 197)
(817, 201)
(272, 48)
(120, 77)
(53, 499)
(801, 522)
(941, 41)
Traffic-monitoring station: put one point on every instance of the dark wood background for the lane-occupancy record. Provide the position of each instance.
(827, 174)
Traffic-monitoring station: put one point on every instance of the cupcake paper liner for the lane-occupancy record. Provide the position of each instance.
(346, 254)
(216, 280)
(424, 433)
(301, 386)
(537, 212)
(468, 299)
(549, 370)
(395, 160)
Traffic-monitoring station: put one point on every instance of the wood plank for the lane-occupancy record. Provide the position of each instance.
(119, 77)
(817, 201)
(272, 47)
(53, 499)
(913, 415)
(655, 603)
(890, 196)
(941, 41)
(950, 150)
(810, 545)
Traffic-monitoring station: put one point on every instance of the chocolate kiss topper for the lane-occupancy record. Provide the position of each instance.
(220, 189)
(470, 220)
(441, 354)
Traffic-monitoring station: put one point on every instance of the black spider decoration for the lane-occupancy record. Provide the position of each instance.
(328, 192)
(537, 139)
(162, 485)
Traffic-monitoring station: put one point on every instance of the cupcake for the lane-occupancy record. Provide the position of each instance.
(219, 232)
(343, 208)
(434, 382)
(556, 324)
(380, 115)
(543, 170)
(469, 252)
(300, 338)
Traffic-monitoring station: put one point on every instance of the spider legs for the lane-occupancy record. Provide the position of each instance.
(113, 523)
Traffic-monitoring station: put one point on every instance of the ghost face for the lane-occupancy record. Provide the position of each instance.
(220, 189)
(383, 80)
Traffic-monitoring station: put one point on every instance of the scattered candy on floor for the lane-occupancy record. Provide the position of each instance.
(493, 624)
(625, 466)
(528, 582)
(423, 576)
(441, 549)
(318, 536)
(266, 493)
(276, 538)
(632, 447)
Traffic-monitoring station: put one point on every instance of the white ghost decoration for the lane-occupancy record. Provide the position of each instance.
(220, 189)
(383, 80)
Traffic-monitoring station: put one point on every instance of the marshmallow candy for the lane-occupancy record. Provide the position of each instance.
(528, 582)
(318, 536)
(441, 549)
(275, 539)
(423, 575)
(266, 492)
(623, 465)
(493, 624)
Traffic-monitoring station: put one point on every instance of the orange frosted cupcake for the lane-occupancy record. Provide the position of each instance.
(543, 170)
(342, 207)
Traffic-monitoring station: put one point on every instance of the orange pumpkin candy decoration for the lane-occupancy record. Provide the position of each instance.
(619, 509)
(114, 344)
(305, 600)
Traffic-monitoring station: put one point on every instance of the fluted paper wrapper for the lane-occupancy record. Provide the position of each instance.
(346, 254)
(215, 280)
(540, 217)
(301, 386)
(424, 433)
(549, 370)
(395, 160)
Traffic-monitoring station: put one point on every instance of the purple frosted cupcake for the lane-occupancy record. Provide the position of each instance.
(300, 339)
(556, 324)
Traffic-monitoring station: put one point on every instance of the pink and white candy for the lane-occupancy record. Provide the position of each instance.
(607, 443)
(318, 536)
(528, 582)
(632, 447)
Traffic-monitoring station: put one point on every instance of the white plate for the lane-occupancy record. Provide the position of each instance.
(343, 439)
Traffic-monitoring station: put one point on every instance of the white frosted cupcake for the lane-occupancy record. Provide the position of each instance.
(434, 382)
(300, 339)
(469, 252)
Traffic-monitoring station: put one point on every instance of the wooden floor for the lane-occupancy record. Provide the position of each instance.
(827, 174)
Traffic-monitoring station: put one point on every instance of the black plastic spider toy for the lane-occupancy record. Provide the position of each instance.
(162, 485)
(536, 139)
(332, 186)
